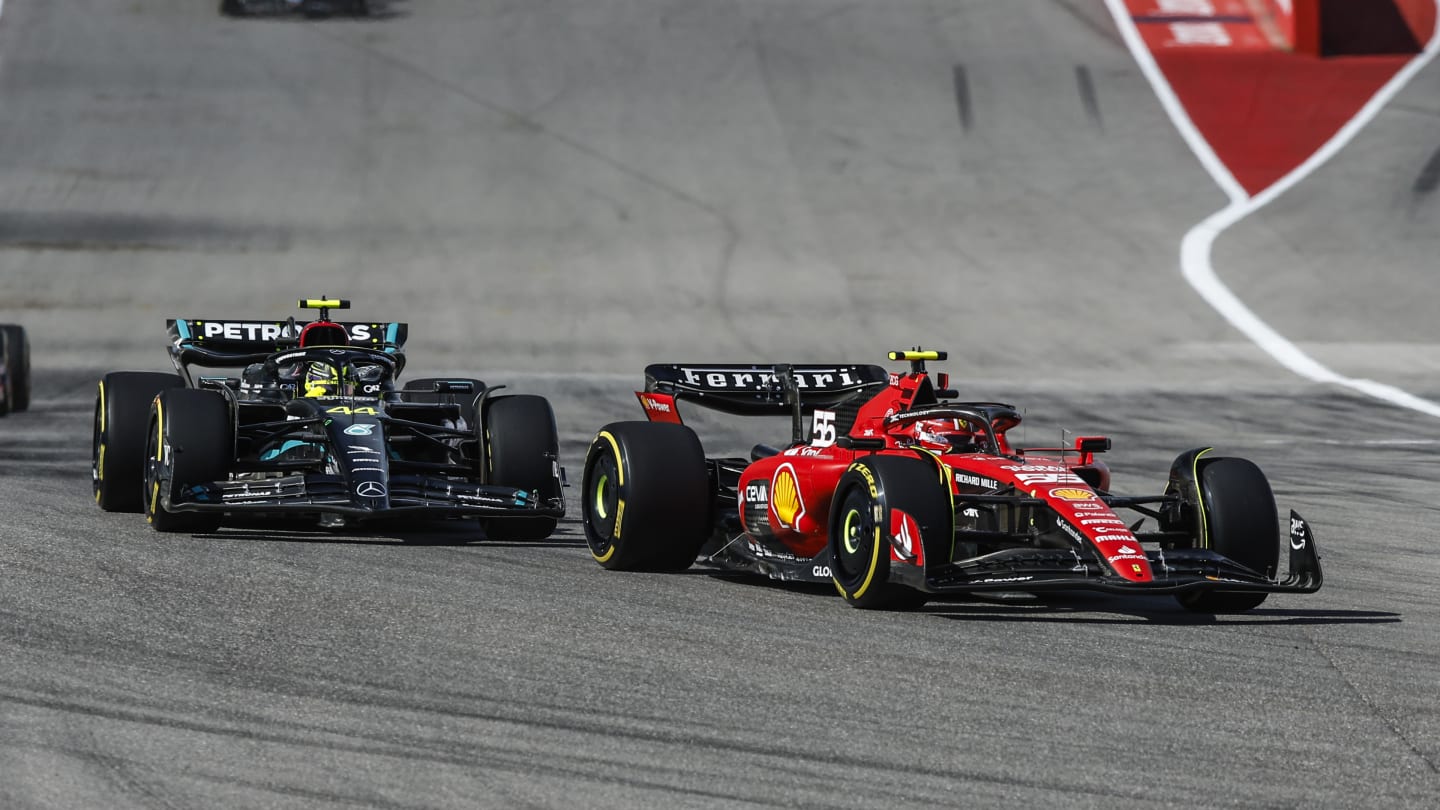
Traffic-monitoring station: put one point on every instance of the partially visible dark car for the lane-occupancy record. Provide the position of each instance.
(14, 369)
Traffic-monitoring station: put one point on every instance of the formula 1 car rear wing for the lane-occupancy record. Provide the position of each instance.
(235, 344)
(755, 390)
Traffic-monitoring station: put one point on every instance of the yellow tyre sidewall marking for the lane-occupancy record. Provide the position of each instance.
(100, 452)
(875, 546)
(1200, 498)
(159, 456)
(100, 470)
(947, 480)
(619, 502)
(870, 570)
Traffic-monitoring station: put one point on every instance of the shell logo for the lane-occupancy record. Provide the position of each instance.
(1072, 494)
(785, 496)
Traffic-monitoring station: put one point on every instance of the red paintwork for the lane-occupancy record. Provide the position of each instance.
(323, 327)
(659, 407)
(818, 471)
(803, 526)
(1265, 113)
(905, 533)
(1420, 15)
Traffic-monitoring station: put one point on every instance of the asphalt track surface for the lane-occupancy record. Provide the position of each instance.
(554, 194)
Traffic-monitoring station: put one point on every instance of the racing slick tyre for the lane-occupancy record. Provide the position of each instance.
(1239, 521)
(860, 546)
(122, 412)
(189, 442)
(17, 363)
(522, 450)
(647, 496)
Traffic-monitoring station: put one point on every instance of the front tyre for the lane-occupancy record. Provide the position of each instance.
(647, 497)
(522, 450)
(189, 442)
(122, 414)
(1238, 519)
(867, 502)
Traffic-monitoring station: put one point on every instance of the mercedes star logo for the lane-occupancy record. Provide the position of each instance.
(370, 489)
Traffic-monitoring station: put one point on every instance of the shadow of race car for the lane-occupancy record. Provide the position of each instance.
(315, 427)
(899, 494)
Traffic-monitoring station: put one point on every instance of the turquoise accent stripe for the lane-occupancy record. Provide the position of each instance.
(288, 445)
(183, 327)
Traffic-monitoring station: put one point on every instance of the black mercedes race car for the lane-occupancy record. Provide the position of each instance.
(14, 369)
(315, 427)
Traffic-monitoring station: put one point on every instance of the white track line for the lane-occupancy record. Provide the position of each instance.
(1196, 247)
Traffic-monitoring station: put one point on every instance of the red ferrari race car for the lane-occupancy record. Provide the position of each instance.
(899, 494)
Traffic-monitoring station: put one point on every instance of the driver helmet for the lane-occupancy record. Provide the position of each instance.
(323, 379)
(944, 435)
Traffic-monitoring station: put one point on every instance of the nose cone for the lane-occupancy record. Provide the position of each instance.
(1127, 558)
(373, 495)
(1099, 526)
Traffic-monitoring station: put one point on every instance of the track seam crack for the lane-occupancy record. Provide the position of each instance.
(1370, 705)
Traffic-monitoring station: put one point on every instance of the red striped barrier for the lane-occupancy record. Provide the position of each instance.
(1250, 83)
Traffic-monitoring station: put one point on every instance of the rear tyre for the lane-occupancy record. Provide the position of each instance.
(522, 450)
(189, 442)
(647, 497)
(866, 500)
(17, 363)
(122, 414)
(1239, 521)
